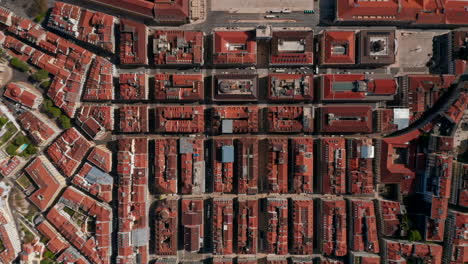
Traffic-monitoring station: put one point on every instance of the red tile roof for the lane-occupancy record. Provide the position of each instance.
(357, 87)
(397, 161)
(337, 47)
(95, 182)
(360, 169)
(234, 47)
(179, 87)
(166, 227)
(391, 215)
(277, 165)
(9, 165)
(292, 48)
(424, 90)
(133, 86)
(290, 87)
(166, 159)
(22, 95)
(192, 224)
(134, 119)
(277, 221)
(133, 42)
(333, 165)
(192, 163)
(132, 169)
(48, 180)
(178, 47)
(96, 247)
(223, 226)
(101, 157)
(69, 150)
(290, 119)
(56, 243)
(346, 119)
(247, 226)
(180, 119)
(333, 228)
(38, 127)
(457, 252)
(410, 11)
(247, 165)
(223, 171)
(303, 165)
(244, 119)
(363, 227)
(89, 26)
(302, 226)
(99, 85)
(95, 120)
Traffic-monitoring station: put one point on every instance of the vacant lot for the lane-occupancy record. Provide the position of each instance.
(260, 6)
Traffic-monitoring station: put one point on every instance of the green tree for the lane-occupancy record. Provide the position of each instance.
(45, 85)
(3, 121)
(40, 75)
(20, 65)
(54, 111)
(414, 235)
(11, 150)
(65, 121)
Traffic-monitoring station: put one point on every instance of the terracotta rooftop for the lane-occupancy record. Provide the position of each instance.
(41, 130)
(166, 227)
(179, 87)
(290, 87)
(180, 119)
(337, 47)
(277, 165)
(134, 119)
(346, 119)
(99, 85)
(247, 165)
(166, 167)
(292, 48)
(95, 182)
(302, 226)
(247, 226)
(48, 180)
(410, 11)
(290, 119)
(192, 223)
(96, 247)
(223, 226)
(133, 42)
(178, 47)
(333, 228)
(363, 227)
(360, 169)
(354, 87)
(133, 230)
(95, 120)
(69, 150)
(235, 119)
(234, 47)
(333, 165)
(277, 220)
(133, 86)
(235, 87)
(303, 165)
(21, 94)
(89, 26)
